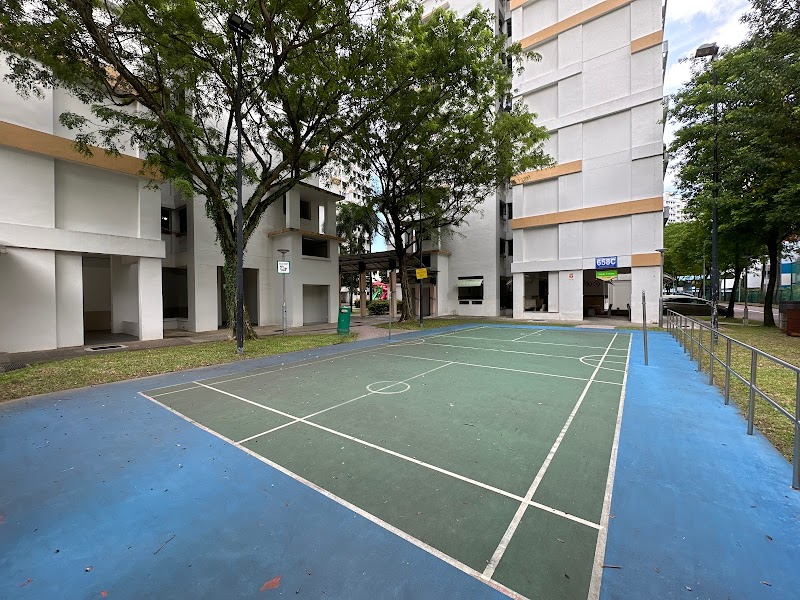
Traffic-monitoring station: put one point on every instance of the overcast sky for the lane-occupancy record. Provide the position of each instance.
(689, 24)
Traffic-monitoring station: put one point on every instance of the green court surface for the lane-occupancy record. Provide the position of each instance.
(488, 446)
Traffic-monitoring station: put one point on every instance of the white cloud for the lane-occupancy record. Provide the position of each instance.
(715, 10)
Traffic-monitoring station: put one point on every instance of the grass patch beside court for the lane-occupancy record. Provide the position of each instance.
(778, 382)
(105, 368)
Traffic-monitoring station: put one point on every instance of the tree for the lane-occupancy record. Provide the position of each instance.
(759, 147)
(162, 74)
(354, 223)
(440, 146)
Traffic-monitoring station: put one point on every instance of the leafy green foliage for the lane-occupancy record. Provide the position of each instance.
(758, 97)
(440, 146)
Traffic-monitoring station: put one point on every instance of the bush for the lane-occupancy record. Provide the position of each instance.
(381, 307)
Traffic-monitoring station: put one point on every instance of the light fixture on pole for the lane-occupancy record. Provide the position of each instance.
(241, 31)
(284, 270)
(661, 289)
(711, 50)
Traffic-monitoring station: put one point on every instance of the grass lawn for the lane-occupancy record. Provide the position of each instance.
(93, 370)
(778, 382)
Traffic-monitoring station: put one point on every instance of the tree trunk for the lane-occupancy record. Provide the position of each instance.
(737, 273)
(774, 274)
(229, 287)
(405, 287)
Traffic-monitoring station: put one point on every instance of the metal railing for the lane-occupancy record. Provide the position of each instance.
(690, 334)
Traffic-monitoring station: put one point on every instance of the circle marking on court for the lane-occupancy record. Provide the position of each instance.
(381, 387)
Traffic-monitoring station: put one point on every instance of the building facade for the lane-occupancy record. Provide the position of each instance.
(598, 90)
(91, 249)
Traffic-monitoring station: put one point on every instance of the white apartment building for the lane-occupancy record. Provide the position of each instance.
(598, 90)
(675, 207)
(90, 248)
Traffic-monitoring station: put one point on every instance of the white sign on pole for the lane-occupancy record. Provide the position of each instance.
(283, 267)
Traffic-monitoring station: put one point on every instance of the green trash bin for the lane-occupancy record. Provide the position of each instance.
(343, 327)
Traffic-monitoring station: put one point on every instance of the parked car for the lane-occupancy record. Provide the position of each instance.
(692, 306)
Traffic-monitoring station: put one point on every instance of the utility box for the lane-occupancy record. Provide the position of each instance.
(789, 318)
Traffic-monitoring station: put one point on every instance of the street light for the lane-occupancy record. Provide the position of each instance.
(283, 276)
(711, 50)
(661, 289)
(241, 31)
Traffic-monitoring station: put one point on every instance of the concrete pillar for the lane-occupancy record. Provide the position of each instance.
(151, 306)
(518, 295)
(393, 293)
(362, 286)
(203, 297)
(125, 295)
(69, 299)
(552, 291)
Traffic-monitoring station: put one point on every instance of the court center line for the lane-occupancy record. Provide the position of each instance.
(319, 412)
(602, 536)
(488, 572)
(411, 459)
(348, 505)
(537, 332)
(466, 337)
(465, 364)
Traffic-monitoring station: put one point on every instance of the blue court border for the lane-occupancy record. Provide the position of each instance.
(100, 477)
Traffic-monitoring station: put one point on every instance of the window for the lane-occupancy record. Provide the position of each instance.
(315, 247)
(470, 290)
(305, 210)
(183, 221)
(321, 219)
(509, 211)
(502, 247)
(510, 247)
(166, 213)
(508, 27)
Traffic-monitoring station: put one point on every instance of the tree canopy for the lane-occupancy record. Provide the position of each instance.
(758, 96)
(438, 148)
(161, 76)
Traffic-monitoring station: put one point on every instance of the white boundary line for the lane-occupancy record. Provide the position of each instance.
(593, 357)
(464, 364)
(488, 572)
(319, 412)
(466, 337)
(602, 536)
(580, 358)
(411, 459)
(537, 332)
(341, 501)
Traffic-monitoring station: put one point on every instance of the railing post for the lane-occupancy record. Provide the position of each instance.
(728, 372)
(691, 340)
(685, 333)
(796, 461)
(711, 362)
(751, 405)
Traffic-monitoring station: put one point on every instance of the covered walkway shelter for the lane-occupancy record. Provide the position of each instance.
(352, 264)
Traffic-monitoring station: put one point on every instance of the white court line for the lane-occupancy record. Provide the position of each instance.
(342, 502)
(284, 367)
(411, 459)
(512, 527)
(465, 364)
(579, 358)
(600, 548)
(545, 343)
(598, 364)
(319, 412)
(537, 332)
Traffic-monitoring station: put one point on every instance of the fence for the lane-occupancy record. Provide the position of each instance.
(703, 344)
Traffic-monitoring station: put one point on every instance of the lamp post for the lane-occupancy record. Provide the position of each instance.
(241, 31)
(711, 50)
(283, 252)
(661, 289)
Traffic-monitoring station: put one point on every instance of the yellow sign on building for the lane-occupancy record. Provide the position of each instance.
(422, 273)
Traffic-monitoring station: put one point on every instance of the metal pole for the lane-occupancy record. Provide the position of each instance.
(751, 405)
(661, 290)
(728, 372)
(796, 461)
(714, 221)
(238, 45)
(745, 320)
(391, 300)
(711, 361)
(644, 326)
(284, 302)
